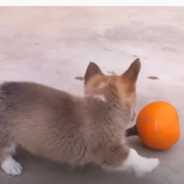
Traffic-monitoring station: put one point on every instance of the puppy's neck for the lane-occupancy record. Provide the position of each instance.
(106, 109)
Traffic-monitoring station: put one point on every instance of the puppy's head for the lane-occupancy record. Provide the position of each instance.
(120, 88)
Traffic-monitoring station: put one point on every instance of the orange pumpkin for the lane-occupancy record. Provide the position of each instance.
(158, 125)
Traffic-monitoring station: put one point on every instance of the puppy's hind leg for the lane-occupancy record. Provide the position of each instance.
(123, 158)
(8, 164)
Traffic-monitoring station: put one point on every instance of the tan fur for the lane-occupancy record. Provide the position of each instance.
(65, 128)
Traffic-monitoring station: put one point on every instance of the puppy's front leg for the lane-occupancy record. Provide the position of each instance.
(123, 158)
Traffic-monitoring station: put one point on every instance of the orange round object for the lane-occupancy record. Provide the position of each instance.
(158, 125)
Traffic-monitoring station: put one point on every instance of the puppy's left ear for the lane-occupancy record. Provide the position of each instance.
(91, 71)
(131, 74)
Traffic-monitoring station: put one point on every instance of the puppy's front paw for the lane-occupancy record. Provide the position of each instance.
(147, 165)
(140, 165)
(11, 167)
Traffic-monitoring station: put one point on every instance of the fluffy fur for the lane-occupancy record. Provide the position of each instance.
(65, 128)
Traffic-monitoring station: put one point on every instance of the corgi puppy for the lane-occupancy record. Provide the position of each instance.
(66, 128)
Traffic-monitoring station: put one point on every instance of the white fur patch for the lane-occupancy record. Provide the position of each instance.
(10, 149)
(101, 97)
(102, 85)
(11, 167)
(140, 165)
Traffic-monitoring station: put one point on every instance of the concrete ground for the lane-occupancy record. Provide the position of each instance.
(54, 45)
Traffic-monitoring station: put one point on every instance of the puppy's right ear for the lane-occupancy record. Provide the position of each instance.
(131, 74)
(91, 71)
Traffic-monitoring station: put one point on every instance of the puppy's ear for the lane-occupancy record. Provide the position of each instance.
(91, 71)
(131, 74)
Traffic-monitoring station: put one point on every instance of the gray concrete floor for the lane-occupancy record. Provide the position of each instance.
(54, 45)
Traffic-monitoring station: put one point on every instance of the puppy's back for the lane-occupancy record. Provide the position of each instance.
(20, 93)
(41, 119)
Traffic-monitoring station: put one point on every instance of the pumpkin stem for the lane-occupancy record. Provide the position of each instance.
(132, 131)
